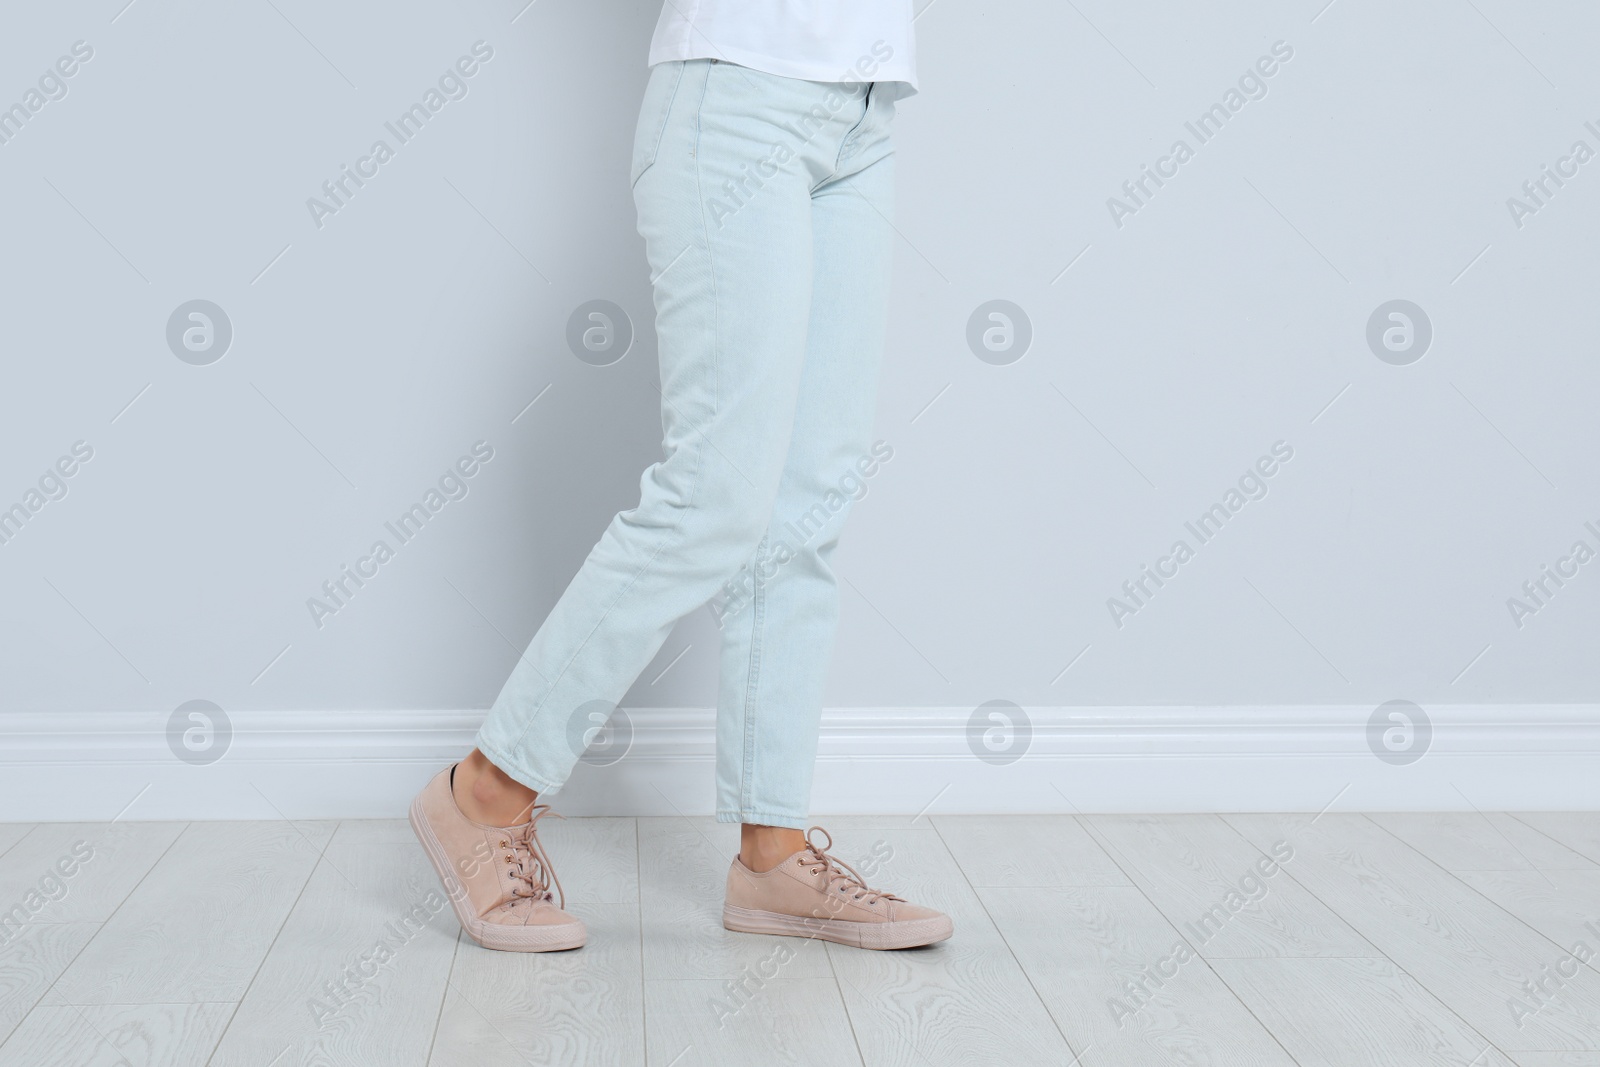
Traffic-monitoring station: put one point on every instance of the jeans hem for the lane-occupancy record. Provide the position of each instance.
(515, 769)
(766, 818)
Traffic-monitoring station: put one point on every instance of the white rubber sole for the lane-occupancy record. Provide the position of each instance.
(500, 936)
(907, 933)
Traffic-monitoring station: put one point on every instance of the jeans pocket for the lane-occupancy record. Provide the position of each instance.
(659, 92)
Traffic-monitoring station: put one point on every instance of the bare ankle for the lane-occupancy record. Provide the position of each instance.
(506, 801)
(486, 794)
(761, 848)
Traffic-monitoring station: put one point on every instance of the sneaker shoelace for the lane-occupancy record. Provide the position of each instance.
(838, 871)
(529, 866)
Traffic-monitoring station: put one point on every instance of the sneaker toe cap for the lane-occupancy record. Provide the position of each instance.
(530, 913)
(905, 911)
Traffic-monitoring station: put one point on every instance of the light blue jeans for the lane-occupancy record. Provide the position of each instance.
(765, 204)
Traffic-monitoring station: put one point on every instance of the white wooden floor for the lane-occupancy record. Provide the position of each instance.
(1376, 939)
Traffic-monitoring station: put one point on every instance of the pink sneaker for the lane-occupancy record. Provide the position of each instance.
(498, 878)
(813, 894)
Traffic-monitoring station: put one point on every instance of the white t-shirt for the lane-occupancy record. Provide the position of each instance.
(818, 40)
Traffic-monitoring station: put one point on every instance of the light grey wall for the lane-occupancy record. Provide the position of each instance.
(1168, 353)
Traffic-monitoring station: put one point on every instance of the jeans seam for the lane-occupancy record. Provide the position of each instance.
(758, 608)
(666, 120)
(838, 161)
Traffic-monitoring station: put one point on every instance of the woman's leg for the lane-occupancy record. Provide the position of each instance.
(728, 235)
(776, 647)
(730, 252)
(779, 612)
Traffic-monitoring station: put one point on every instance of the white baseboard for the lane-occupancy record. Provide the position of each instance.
(324, 765)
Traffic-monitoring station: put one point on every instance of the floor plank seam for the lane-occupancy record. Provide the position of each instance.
(1012, 952)
(311, 873)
